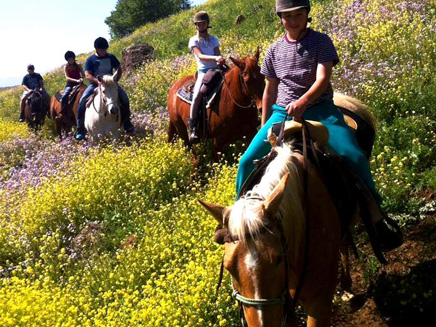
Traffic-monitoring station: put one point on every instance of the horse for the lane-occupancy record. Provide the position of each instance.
(35, 109)
(103, 112)
(64, 123)
(235, 112)
(282, 241)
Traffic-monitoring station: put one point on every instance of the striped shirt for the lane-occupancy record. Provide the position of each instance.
(295, 64)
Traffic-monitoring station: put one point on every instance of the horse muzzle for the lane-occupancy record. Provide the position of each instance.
(114, 110)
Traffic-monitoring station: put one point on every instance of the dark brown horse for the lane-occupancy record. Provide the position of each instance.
(235, 113)
(64, 123)
(35, 109)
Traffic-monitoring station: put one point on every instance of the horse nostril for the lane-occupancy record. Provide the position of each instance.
(114, 110)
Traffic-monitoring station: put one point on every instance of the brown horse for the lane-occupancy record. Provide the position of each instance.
(65, 123)
(274, 247)
(35, 109)
(234, 115)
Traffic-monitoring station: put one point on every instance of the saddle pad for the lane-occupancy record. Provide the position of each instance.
(185, 92)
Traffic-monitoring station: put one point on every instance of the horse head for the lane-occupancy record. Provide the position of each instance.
(109, 93)
(255, 254)
(35, 103)
(251, 76)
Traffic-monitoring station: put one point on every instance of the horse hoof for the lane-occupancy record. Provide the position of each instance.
(347, 296)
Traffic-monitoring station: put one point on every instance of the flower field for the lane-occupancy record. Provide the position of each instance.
(114, 236)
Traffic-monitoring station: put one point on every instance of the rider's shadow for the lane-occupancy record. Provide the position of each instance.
(408, 299)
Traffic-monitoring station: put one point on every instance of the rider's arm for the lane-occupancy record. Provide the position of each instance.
(269, 97)
(41, 83)
(323, 74)
(91, 78)
(204, 57)
(82, 73)
(118, 74)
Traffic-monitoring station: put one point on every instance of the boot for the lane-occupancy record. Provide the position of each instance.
(193, 136)
(389, 234)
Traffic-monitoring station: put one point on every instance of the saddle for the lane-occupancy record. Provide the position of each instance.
(347, 189)
(72, 96)
(212, 84)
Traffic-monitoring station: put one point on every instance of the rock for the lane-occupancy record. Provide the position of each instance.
(136, 55)
(239, 19)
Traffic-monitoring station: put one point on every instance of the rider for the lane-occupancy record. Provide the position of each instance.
(74, 75)
(32, 81)
(206, 51)
(99, 64)
(298, 68)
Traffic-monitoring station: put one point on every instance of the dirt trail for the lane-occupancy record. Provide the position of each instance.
(401, 293)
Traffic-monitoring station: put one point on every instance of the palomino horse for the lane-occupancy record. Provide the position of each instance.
(103, 112)
(35, 109)
(64, 123)
(234, 115)
(281, 238)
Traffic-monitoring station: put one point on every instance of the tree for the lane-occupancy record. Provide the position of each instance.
(131, 14)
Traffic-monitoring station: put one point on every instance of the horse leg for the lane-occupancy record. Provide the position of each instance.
(171, 132)
(345, 278)
(217, 149)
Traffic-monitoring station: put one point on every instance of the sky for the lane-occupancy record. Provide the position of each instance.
(40, 32)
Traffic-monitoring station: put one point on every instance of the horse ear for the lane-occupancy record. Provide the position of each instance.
(239, 63)
(256, 54)
(272, 203)
(215, 210)
(116, 76)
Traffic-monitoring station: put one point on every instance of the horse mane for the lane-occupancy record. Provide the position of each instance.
(246, 216)
(108, 80)
(355, 106)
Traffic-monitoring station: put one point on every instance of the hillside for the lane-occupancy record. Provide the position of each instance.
(115, 237)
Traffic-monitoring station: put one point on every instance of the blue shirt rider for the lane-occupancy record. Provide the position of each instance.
(99, 64)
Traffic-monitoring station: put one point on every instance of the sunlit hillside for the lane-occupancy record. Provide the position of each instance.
(104, 237)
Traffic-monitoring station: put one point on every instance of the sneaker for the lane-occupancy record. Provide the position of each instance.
(79, 136)
(21, 120)
(388, 235)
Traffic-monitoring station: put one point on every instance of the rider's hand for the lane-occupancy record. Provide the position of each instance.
(296, 109)
(221, 61)
(218, 59)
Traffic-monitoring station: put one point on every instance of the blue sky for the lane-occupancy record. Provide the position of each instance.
(41, 31)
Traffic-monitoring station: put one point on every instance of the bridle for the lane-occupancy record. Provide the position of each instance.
(103, 103)
(245, 87)
(288, 302)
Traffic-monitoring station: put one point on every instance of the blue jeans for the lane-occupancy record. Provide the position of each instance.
(64, 99)
(341, 140)
(125, 106)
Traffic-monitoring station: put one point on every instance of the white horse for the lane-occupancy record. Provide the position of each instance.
(103, 113)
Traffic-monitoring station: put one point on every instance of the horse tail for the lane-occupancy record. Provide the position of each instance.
(355, 106)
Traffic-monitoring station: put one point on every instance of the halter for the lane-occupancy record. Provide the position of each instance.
(285, 300)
